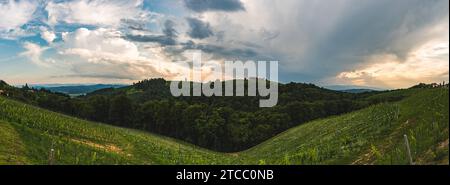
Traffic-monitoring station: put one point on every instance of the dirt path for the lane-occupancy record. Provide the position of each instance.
(107, 147)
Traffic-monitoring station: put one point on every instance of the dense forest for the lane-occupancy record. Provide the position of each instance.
(220, 123)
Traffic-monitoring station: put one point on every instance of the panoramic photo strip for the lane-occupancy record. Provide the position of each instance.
(224, 91)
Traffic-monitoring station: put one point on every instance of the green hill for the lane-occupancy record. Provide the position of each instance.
(370, 136)
(373, 135)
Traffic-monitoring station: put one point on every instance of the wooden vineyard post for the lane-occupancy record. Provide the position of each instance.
(51, 155)
(408, 150)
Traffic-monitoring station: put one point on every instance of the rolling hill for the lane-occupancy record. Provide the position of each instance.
(219, 123)
(373, 135)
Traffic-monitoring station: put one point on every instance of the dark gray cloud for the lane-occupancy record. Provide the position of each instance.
(161, 39)
(227, 53)
(214, 5)
(169, 36)
(169, 29)
(198, 29)
(218, 52)
(383, 26)
(134, 25)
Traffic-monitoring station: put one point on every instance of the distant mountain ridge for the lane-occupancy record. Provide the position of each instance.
(353, 88)
(357, 90)
(71, 89)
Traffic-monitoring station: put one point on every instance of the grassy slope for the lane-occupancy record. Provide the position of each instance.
(370, 136)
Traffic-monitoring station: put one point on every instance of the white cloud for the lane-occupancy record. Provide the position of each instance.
(14, 14)
(48, 36)
(101, 12)
(103, 53)
(100, 43)
(34, 53)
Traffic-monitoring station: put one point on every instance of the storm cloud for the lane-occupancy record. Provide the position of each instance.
(167, 38)
(214, 5)
(315, 42)
(198, 29)
(228, 53)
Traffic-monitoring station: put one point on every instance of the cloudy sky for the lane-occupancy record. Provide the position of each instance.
(379, 43)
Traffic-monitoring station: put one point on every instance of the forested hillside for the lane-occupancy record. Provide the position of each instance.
(218, 123)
